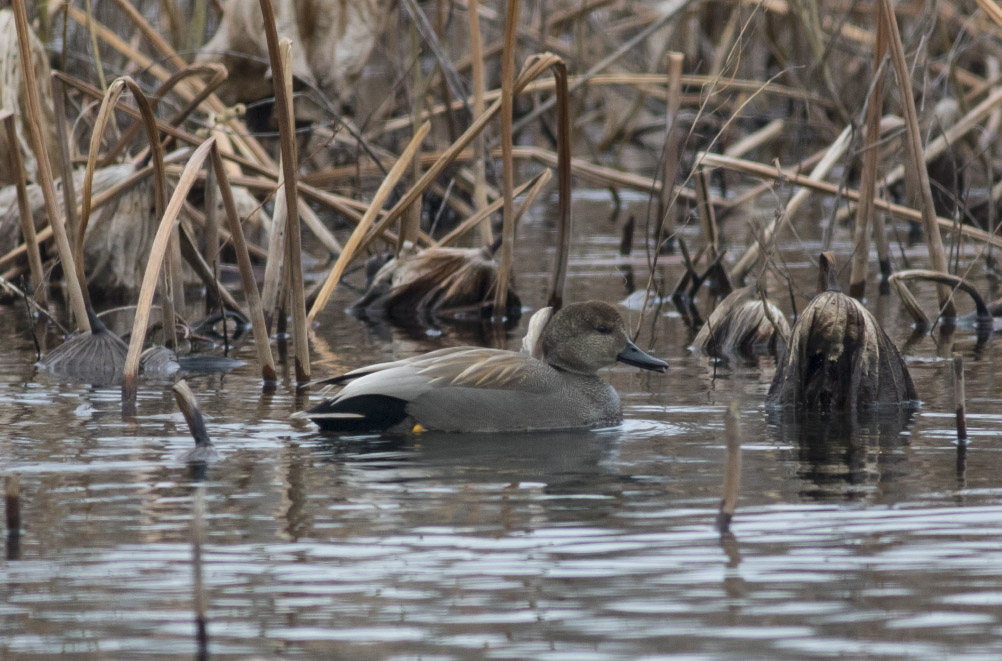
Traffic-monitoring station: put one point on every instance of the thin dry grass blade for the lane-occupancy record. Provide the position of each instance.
(157, 253)
(355, 240)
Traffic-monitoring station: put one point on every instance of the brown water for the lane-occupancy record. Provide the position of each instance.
(866, 542)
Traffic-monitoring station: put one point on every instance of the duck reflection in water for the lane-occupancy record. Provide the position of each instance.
(513, 482)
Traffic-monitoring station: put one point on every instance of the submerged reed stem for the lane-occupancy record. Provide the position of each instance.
(732, 471)
(959, 397)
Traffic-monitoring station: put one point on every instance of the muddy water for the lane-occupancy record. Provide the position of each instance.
(866, 541)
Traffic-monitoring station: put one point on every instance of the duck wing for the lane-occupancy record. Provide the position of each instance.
(382, 396)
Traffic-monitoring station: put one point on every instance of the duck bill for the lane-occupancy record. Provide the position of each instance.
(632, 355)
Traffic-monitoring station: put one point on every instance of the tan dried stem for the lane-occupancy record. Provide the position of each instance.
(158, 252)
(282, 76)
(508, 170)
(216, 73)
(937, 255)
(868, 178)
(77, 301)
(27, 221)
(247, 279)
(479, 145)
(172, 292)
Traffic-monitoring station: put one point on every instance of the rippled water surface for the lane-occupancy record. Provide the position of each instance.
(849, 542)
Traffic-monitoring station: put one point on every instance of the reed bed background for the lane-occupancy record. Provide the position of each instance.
(340, 131)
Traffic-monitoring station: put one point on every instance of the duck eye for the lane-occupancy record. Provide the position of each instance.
(603, 329)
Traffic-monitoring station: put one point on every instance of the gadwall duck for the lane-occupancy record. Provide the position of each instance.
(551, 384)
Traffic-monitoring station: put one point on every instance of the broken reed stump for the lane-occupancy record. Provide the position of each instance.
(732, 471)
(959, 397)
(199, 600)
(12, 512)
(838, 358)
(204, 451)
(744, 325)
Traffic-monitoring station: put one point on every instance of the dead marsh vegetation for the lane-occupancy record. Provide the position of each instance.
(248, 137)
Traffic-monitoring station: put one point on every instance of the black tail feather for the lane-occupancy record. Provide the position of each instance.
(365, 413)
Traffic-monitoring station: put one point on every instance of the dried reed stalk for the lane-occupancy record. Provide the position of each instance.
(216, 73)
(601, 175)
(732, 470)
(77, 301)
(274, 265)
(959, 397)
(707, 218)
(756, 139)
(172, 289)
(667, 204)
(157, 253)
(479, 146)
(937, 255)
(27, 221)
(951, 282)
(66, 162)
(247, 279)
(211, 232)
(555, 299)
(868, 178)
(282, 76)
(652, 84)
(355, 240)
(508, 170)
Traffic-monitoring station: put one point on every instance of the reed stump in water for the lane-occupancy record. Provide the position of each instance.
(838, 358)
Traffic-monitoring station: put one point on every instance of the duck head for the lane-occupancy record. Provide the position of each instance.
(584, 337)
